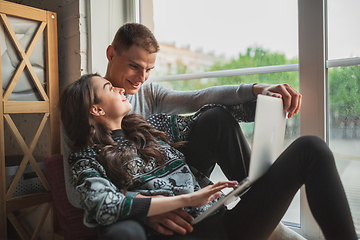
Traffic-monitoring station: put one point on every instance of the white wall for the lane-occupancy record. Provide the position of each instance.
(106, 18)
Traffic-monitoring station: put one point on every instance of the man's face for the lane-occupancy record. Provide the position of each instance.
(130, 69)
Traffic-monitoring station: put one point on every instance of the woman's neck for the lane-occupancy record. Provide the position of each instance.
(111, 123)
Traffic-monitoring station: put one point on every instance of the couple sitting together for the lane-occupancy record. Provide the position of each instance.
(148, 179)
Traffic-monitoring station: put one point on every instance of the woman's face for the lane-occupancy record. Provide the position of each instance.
(113, 104)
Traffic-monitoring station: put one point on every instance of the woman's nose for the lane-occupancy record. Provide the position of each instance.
(121, 91)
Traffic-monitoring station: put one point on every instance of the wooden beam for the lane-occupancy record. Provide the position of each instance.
(17, 225)
(26, 107)
(28, 200)
(3, 218)
(42, 219)
(52, 72)
(23, 11)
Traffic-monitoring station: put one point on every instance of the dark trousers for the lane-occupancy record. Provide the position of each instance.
(217, 138)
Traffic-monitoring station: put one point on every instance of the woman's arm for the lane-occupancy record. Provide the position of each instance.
(102, 201)
(161, 205)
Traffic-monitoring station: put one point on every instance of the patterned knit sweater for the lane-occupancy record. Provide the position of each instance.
(105, 204)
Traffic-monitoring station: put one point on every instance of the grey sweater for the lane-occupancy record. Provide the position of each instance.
(153, 98)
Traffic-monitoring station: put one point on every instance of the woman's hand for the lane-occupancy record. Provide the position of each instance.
(208, 193)
(161, 204)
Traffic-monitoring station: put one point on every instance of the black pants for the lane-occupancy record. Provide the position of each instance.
(217, 138)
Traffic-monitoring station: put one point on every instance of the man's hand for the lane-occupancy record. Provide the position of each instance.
(167, 223)
(291, 97)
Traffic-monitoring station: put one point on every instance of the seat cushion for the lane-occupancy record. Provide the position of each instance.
(70, 218)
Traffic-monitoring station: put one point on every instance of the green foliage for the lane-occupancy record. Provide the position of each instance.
(258, 57)
(344, 82)
(344, 90)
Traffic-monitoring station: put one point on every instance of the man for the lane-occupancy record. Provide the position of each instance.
(131, 57)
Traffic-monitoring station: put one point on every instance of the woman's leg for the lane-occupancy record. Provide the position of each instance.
(127, 229)
(307, 161)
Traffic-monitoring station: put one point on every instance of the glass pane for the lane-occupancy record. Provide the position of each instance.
(344, 106)
(343, 29)
(194, 35)
(292, 125)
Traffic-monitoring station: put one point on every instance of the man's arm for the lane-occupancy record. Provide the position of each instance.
(167, 223)
(172, 102)
(153, 98)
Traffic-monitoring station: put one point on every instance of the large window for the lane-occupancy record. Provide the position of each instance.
(343, 29)
(344, 96)
(198, 36)
(261, 40)
(210, 32)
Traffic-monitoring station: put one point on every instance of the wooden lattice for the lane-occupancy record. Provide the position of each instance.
(10, 205)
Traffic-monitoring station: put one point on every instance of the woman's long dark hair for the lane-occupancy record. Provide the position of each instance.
(76, 101)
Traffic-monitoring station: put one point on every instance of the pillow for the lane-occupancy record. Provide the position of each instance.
(70, 218)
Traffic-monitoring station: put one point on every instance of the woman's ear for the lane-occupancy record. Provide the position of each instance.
(97, 111)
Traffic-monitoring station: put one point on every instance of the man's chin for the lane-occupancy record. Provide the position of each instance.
(131, 91)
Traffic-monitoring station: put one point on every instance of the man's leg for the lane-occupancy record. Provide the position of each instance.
(217, 138)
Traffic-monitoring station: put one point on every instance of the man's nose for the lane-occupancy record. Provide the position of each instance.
(143, 75)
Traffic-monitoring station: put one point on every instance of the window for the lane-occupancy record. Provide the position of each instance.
(200, 33)
(343, 29)
(344, 101)
(273, 29)
(230, 35)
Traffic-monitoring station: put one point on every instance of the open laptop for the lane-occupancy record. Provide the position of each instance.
(268, 141)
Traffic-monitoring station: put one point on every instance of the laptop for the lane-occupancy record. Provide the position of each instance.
(267, 145)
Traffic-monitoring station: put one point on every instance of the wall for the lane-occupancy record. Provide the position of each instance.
(85, 29)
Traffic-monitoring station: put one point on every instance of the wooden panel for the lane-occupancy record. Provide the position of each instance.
(25, 58)
(26, 107)
(19, 10)
(48, 107)
(27, 154)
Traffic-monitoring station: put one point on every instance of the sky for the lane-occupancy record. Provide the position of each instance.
(228, 27)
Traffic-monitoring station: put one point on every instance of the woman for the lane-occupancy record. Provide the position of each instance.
(125, 168)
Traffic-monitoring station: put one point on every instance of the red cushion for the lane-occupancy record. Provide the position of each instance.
(70, 218)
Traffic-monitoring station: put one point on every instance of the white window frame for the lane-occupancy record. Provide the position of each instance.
(313, 77)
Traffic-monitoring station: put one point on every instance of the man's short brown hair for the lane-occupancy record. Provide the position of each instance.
(135, 33)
